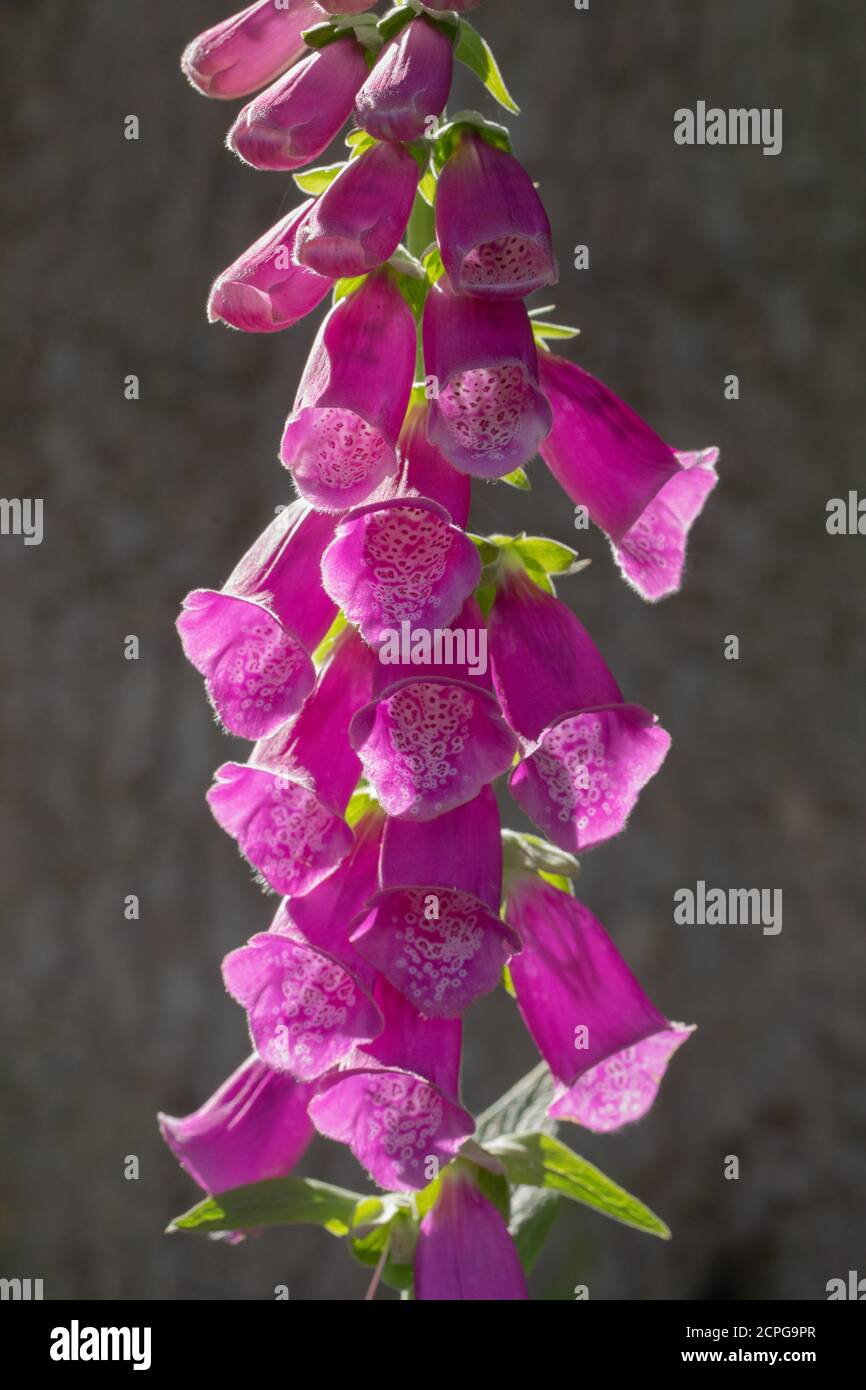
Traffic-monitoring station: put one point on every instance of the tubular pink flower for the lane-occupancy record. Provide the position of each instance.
(295, 120)
(489, 415)
(248, 49)
(433, 736)
(641, 492)
(285, 806)
(400, 561)
(425, 472)
(605, 1043)
(359, 221)
(340, 440)
(493, 232)
(587, 754)
(254, 1127)
(434, 930)
(409, 84)
(398, 1105)
(252, 639)
(264, 291)
(464, 1252)
(305, 990)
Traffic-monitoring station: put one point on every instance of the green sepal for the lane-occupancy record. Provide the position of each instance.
(519, 479)
(450, 134)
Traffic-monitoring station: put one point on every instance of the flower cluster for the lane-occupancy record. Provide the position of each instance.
(388, 667)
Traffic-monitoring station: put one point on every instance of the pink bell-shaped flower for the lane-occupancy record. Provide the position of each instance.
(494, 235)
(607, 1046)
(641, 492)
(249, 49)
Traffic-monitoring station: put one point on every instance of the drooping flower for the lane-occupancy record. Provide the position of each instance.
(494, 235)
(252, 640)
(397, 1105)
(306, 991)
(264, 291)
(606, 1045)
(285, 806)
(434, 928)
(433, 735)
(296, 118)
(409, 84)
(249, 49)
(340, 440)
(641, 492)
(400, 562)
(425, 472)
(587, 754)
(255, 1126)
(464, 1252)
(487, 413)
(359, 221)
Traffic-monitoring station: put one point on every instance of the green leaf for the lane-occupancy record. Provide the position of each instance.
(530, 852)
(326, 646)
(519, 478)
(427, 188)
(342, 288)
(359, 141)
(276, 1202)
(315, 181)
(432, 264)
(474, 50)
(542, 331)
(540, 1160)
(524, 1107)
(361, 804)
(551, 557)
(533, 1213)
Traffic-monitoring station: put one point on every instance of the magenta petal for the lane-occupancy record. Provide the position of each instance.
(652, 553)
(322, 918)
(264, 290)
(400, 561)
(427, 473)
(460, 850)
(544, 660)
(254, 1127)
(243, 52)
(603, 454)
(281, 827)
(429, 745)
(306, 1010)
(295, 120)
(257, 674)
(623, 1088)
(489, 416)
(394, 1123)
(409, 84)
(252, 640)
(359, 221)
(340, 440)
(582, 781)
(442, 949)
(493, 232)
(464, 1251)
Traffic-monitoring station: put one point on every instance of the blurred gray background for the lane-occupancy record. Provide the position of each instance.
(703, 262)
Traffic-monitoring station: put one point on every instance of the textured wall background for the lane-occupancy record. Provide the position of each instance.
(704, 262)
